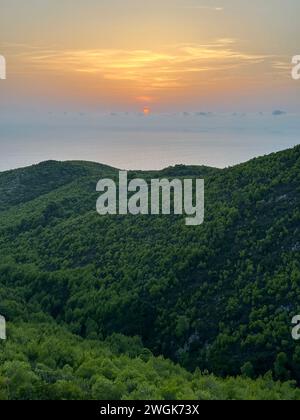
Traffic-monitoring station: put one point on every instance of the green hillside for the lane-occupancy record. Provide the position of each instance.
(219, 297)
(41, 361)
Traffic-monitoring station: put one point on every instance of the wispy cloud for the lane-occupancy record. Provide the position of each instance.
(210, 8)
(170, 67)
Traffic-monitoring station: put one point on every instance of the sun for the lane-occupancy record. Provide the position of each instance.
(146, 110)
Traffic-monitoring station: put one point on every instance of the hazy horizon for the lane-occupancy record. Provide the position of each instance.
(133, 141)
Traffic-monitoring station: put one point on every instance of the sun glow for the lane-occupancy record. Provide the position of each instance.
(174, 72)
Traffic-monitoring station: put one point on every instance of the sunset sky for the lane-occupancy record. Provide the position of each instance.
(156, 57)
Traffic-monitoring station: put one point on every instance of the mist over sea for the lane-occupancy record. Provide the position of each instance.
(135, 141)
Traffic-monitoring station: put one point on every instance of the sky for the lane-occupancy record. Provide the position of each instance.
(88, 70)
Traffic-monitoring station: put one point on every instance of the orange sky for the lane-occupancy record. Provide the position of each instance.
(122, 53)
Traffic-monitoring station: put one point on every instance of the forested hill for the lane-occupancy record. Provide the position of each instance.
(219, 297)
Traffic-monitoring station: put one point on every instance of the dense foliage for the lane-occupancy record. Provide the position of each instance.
(219, 297)
(42, 362)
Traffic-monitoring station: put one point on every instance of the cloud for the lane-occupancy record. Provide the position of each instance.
(278, 113)
(170, 67)
(203, 114)
(211, 8)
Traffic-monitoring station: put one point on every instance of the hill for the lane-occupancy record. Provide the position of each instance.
(219, 297)
(42, 361)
